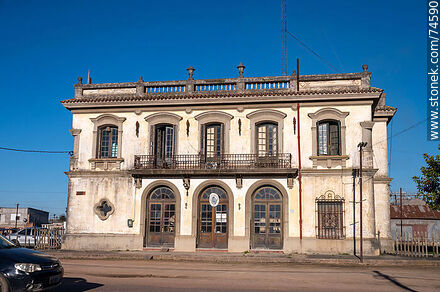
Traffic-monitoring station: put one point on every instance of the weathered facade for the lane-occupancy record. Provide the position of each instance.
(414, 218)
(236, 164)
(23, 217)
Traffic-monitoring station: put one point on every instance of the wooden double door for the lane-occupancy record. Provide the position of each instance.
(161, 218)
(213, 219)
(267, 219)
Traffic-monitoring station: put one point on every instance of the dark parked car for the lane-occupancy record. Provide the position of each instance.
(23, 269)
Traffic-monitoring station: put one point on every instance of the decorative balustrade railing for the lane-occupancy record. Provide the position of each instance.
(216, 87)
(267, 85)
(225, 162)
(239, 84)
(165, 89)
(189, 86)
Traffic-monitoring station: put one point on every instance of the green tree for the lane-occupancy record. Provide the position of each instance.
(428, 184)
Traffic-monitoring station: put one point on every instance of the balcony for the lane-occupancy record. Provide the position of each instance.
(193, 164)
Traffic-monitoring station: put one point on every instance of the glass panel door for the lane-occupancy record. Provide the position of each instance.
(260, 230)
(267, 224)
(164, 145)
(213, 142)
(205, 234)
(169, 221)
(154, 224)
(274, 234)
(213, 221)
(221, 226)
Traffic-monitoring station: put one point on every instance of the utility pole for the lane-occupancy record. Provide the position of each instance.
(401, 214)
(361, 145)
(16, 214)
(354, 211)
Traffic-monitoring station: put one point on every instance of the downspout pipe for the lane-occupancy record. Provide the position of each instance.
(299, 154)
(299, 174)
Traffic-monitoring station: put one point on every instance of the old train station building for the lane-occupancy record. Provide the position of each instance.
(235, 164)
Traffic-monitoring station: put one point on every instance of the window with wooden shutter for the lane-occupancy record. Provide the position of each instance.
(267, 139)
(213, 140)
(202, 140)
(164, 144)
(329, 138)
(108, 141)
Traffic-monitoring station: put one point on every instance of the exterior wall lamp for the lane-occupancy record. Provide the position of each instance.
(294, 126)
(187, 128)
(186, 184)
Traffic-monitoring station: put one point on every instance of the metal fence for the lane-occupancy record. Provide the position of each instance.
(46, 238)
(417, 244)
(38, 238)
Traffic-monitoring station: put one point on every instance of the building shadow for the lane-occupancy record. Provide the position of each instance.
(76, 284)
(392, 280)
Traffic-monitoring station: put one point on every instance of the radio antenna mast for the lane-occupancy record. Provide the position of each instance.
(283, 38)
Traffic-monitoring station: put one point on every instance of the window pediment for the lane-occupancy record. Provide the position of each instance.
(329, 114)
(213, 116)
(107, 119)
(163, 117)
(266, 114)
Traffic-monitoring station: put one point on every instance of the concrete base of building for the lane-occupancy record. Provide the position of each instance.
(311, 245)
(106, 241)
(238, 244)
(386, 245)
(187, 243)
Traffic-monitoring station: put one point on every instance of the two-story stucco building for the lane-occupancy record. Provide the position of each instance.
(237, 164)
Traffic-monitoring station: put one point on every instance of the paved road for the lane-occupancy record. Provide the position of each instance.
(132, 275)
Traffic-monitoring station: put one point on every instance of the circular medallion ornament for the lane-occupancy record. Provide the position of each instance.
(214, 199)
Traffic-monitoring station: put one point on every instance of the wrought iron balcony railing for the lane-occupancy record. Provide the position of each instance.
(222, 162)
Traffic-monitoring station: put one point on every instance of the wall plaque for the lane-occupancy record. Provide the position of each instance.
(214, 199)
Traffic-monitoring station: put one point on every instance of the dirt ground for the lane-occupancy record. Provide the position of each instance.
(132, 275)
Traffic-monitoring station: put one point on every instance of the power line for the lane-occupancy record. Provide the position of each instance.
(36, 151)
(402, 131)
(30, 192)
(313, 52)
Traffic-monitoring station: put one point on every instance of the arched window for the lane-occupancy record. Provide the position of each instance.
(108, 141)
(329, 137)
(267, 139)
(267, 193)
(162, 193)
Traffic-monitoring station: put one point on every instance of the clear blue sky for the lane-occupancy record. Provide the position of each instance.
(46, 45)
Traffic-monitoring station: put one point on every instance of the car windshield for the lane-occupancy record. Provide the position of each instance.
(4, 243)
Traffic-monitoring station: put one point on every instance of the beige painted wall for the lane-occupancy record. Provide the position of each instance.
(120, 190)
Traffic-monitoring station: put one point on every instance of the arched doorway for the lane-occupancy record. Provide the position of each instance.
(267, 221)
(212, 218)
(161, 217)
